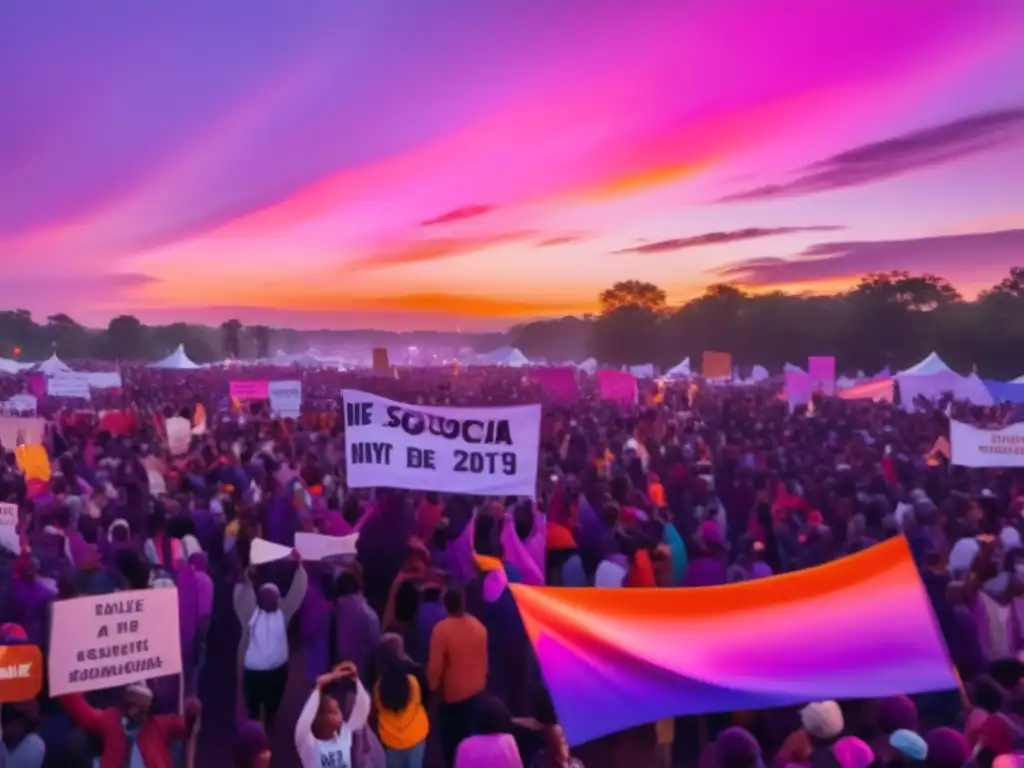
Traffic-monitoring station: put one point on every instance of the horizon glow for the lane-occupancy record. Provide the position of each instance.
(375, 165)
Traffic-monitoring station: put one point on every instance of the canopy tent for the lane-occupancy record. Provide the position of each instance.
(588, 366)
(680, 371)
(930, 366)
(645, 371)
(176, 361)
(509, 356)
(53, 365)
(12, 366)
(790, 368)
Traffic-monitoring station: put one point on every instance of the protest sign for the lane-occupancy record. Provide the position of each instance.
(21, 430)
(248, 390)
(986, 448)
(716, 365)
(285, 398)
(881, 639)
(798, 388)
(69, 385)
(315, 546)
(105, 641)
(179, 434)
(617, 387)
(263, 551)
(21, 404)
(9, 538)
(103, 379)
(21, 672)
(479, 451)
(822, 373)
(559, 383)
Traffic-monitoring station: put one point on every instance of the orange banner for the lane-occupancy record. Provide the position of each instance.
(716, 365)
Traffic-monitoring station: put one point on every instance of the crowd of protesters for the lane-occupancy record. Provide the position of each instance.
(406, 655)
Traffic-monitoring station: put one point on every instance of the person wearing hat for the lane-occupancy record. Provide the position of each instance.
(130, 735)
(823, 721)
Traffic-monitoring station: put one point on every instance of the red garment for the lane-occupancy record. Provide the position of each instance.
(641, 571)
(154, 739)
(889, 471)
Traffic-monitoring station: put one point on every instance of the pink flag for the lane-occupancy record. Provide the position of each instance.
(559, 383)
(798, 388)
(617, 386)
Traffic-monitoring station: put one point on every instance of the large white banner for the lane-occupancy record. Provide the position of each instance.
(111, 640)
(985, 448)
(479, 451)
(69, 385)
(285, 398)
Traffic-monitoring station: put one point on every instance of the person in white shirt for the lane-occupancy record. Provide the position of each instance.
(323, 737)
(264, 616)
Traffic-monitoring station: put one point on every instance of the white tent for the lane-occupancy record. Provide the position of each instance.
(176, 361)
(790, 368)
(53, 365)
(588, 366)
(12, 366)
(509, 356)
(645, 371)
(679, 371)
(930, 366)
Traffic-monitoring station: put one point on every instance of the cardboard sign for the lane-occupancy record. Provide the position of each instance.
(478, 451)
(105, 641)
(21, 672)
(263, 551)
(9, 537)
(316, 546)
(618, 387)
(285, 398)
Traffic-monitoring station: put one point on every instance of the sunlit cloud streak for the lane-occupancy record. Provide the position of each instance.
(722, 238)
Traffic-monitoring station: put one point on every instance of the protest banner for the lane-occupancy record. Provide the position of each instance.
(381, 361)
(618, 387)
(822, 372)
(69, 385)
(103, 379)
(316, 546)
(880, 639)
(986, 448)
(716, 365)
(285, 398)
(248, 390)
(479, 451)
(21, 672)
(104, 641)
(9, 537)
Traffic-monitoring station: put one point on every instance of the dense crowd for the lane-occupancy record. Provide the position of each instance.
(409, 653)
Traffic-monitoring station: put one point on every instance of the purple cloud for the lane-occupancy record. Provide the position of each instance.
(721, 238)
(973, 260)
(901, 154)
(459, 214)
(560, 240)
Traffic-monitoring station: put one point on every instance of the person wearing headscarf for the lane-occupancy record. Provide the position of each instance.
(323, 735)
(735, 747)
(908, 747)
(823, 721)
(130, 734)
(851, 752)
(399, 704)
(947, 748)
(493, 744)
(263, 649)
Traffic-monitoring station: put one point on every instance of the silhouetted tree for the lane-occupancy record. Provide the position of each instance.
(261, 338)
(126, 338)
(232, 332)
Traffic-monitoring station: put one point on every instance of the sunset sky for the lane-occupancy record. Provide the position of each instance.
(442, 164)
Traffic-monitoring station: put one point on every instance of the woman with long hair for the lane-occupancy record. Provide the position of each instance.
(402, 722)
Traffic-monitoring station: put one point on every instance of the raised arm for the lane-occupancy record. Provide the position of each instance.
(291, 602)
(305, 742)
(360, 709)
(244, 598)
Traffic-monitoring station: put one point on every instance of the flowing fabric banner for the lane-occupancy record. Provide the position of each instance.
(559, 383)
(859, 627)
(822, 371)
(716, 365)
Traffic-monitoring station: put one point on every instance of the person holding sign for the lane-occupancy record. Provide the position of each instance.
(323, 737)
(131, 736)
(264, 616)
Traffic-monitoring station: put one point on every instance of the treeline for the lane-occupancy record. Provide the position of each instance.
(890, 319)
(126, 338)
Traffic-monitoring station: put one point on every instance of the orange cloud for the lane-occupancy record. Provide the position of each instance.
(470, 306)
(434, 249)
